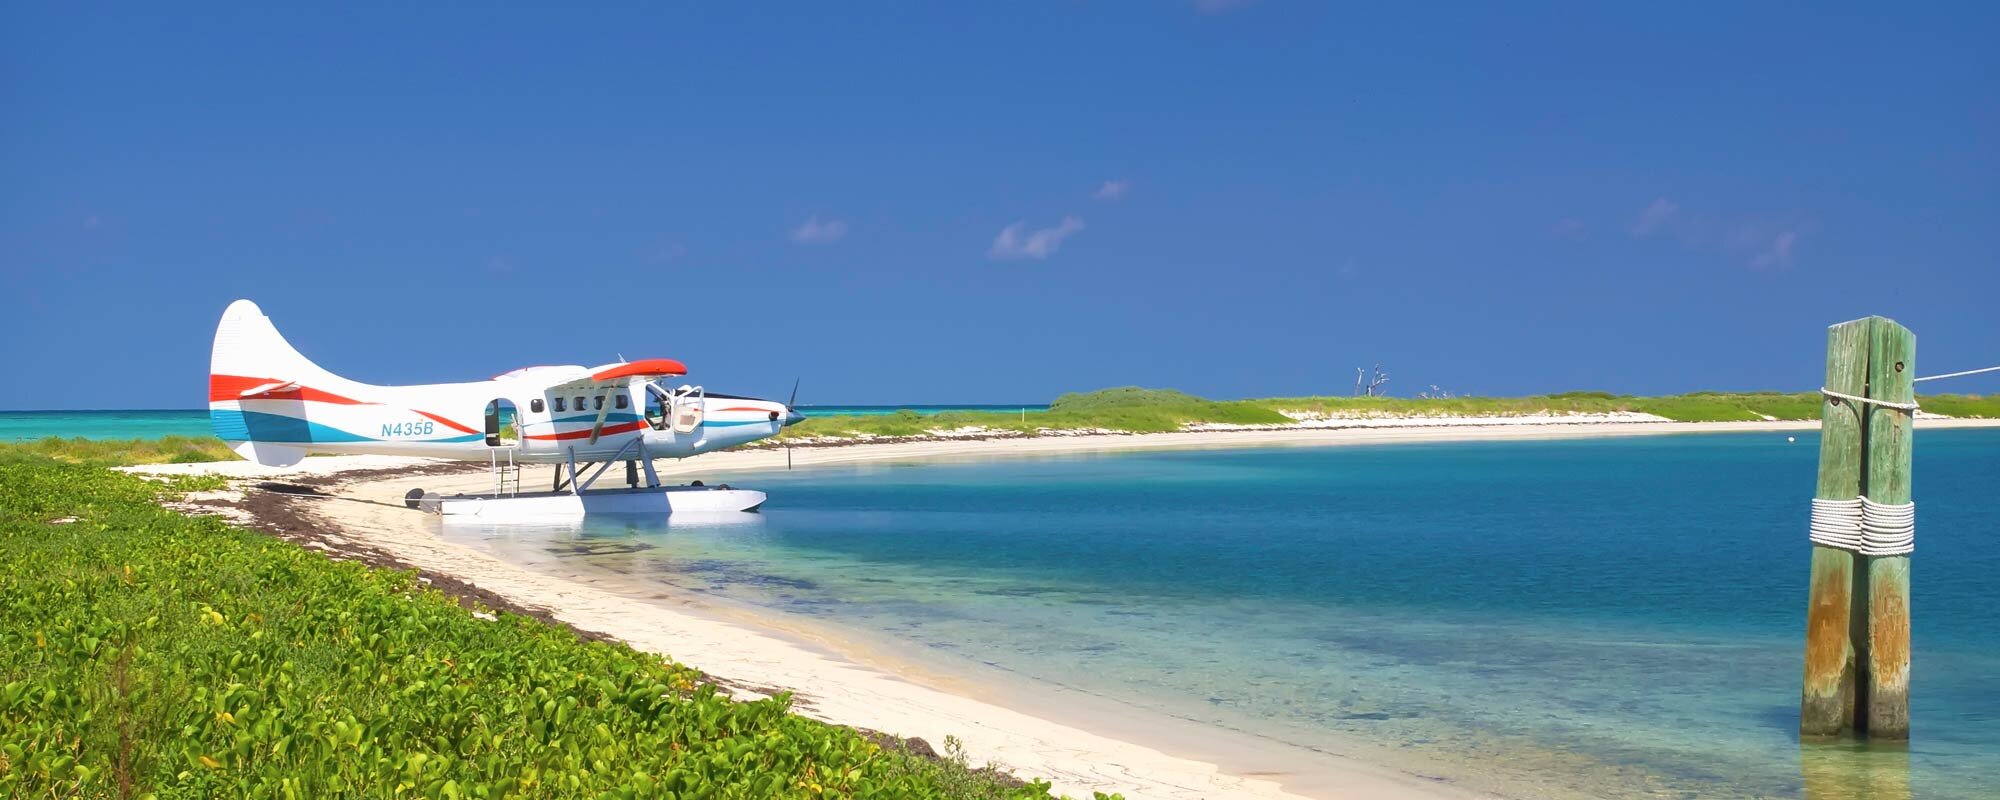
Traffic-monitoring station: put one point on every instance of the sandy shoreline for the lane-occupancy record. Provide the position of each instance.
(842, 685)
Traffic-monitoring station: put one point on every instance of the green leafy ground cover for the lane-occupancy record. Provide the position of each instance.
(147, 654)
(113, 452)
(1138, 410)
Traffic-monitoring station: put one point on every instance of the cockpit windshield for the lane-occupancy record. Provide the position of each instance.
(656, 407)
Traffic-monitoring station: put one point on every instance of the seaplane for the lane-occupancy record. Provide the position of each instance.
(274, 407)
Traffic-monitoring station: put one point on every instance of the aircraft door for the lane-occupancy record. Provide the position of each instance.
(502, 424)
(688, 408)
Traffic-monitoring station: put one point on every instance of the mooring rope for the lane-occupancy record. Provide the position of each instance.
(1957, 374)
(1864, 526)
(1910, 406)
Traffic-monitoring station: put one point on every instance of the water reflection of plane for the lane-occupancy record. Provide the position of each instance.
(623, 545)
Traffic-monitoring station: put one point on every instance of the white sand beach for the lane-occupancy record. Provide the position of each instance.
(850, 686)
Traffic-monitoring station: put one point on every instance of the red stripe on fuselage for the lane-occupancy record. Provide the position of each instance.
(232, 387)
(622, 427)
(447, 423)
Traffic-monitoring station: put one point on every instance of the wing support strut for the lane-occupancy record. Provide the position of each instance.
(578, 484)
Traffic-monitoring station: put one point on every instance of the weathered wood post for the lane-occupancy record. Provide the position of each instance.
(1857, 667)
(1826, 703)
(1885, 649)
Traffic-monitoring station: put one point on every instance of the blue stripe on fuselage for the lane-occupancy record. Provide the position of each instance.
(258, 426)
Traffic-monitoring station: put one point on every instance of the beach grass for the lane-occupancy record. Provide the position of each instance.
(112, 452)
(1962, 405)
(145, 653)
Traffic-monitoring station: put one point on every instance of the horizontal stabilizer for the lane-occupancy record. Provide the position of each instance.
(269, 388)
(269, 454)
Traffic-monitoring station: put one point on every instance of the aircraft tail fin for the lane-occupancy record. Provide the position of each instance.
(247, 345)
(250, 361)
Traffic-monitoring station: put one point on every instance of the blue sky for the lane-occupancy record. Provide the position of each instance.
(998, 202)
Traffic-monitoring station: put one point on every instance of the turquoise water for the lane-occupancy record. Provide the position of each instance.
(141, 424)
(1612, 618)
(129, 424)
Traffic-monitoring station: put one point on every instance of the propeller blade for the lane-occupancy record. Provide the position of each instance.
(789, 402)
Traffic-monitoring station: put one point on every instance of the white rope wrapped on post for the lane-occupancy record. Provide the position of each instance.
(1836, 523)
(1864, 526)
(1888, 530)
(1909, 406)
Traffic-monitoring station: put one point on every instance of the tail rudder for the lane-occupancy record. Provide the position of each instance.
(251, 361)
(248, 346)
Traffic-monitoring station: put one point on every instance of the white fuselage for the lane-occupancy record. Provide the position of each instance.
(542, 417)
(274, 406)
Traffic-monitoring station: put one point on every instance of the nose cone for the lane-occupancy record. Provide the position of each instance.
(793, 417)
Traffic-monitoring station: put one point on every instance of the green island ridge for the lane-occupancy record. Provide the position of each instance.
(148, 654)
(1137, 410)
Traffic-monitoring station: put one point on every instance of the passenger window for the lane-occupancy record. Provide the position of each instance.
(535, 405)
(600, 402)
(582, 403)
(559, 406)
(622, 402)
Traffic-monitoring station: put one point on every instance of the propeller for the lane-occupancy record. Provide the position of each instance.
(789, 402)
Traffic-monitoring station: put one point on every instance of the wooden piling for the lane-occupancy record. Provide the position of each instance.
(1884, 657)
(1827, 701)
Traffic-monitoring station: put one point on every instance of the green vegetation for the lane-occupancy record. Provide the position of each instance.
(146, 654)
(1137, 410)
(113, 452)
(1962, 405)
(1128, 409)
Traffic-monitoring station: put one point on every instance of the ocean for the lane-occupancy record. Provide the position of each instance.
(1615, 617)
(18, 426)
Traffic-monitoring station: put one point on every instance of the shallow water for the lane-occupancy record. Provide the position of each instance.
(1612, 617)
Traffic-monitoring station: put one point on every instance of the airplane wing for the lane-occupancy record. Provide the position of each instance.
(563, 380)
(625, 374)
(643, 368)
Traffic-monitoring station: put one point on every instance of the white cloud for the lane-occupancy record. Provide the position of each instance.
(1220, 6)
(814, 230)
(1016, 242)
(1656, 217)
(1762, 242)
(1113, 189)
(1777, 252)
